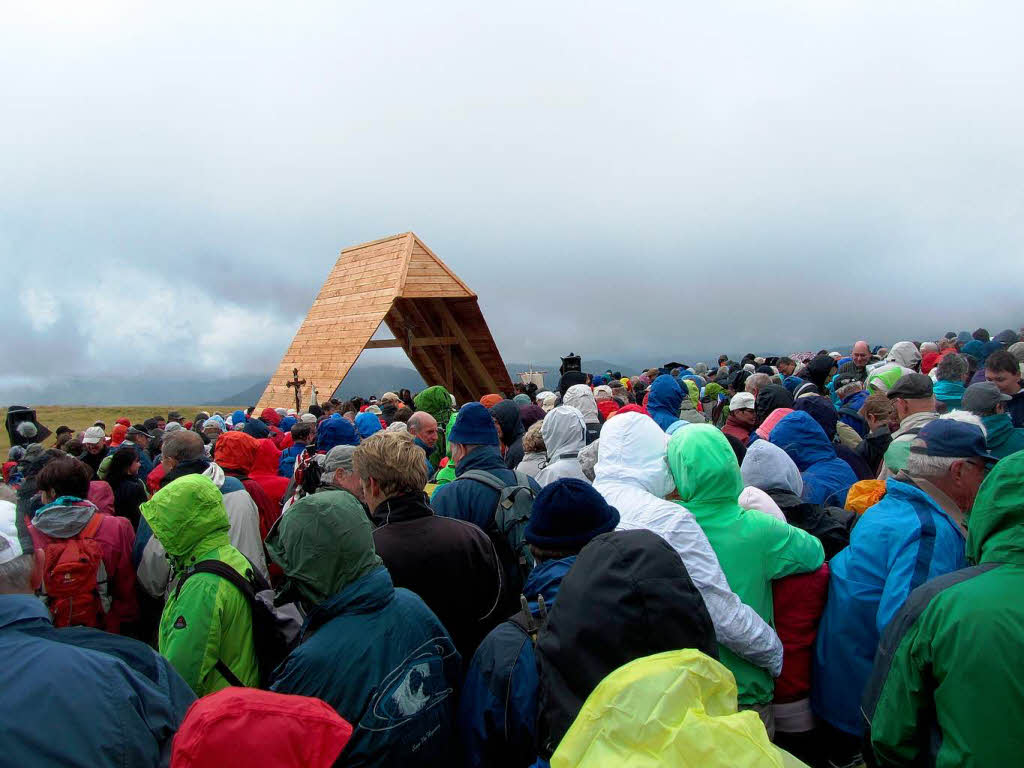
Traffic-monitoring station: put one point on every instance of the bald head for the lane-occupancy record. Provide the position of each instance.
(424, 427)
(861, 353)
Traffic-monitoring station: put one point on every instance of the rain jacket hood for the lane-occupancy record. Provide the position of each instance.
(564, 431)
(237, 451)
(673, 708)
(188, 517)
(768, 467)
(663, 401)
(704, 468)
(508, 415)
(904, 353)
(436, 401)
(323, 544)
(581, 397)
(995, 528)
(218, 731)
(367, 424)
(270, 417)
(64, 517)
(803, 439)
(334, 432)
(268, 457)
(627, 596)
(769, 398)
(632, 451)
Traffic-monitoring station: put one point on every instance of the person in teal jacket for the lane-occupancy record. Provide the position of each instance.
(986, 401)
(752, 547)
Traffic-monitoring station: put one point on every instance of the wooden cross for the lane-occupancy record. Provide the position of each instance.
(298, 389)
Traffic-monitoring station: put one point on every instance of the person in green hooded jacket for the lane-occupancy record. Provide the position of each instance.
(948, 684)
(753, 548)
(207, 620)
(985, 401)
(438, 403)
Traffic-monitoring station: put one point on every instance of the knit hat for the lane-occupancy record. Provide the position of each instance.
(474, 426)
(567, 514)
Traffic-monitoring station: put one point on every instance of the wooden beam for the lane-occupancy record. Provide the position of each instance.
(433, 341)
(464, 344)
(382, 344)
(424, 361)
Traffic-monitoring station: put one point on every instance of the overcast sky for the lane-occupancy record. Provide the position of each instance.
(672, 178)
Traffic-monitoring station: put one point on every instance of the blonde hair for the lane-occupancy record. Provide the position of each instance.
(392, 459)
(533, 440)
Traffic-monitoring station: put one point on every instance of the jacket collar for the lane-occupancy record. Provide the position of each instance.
(905, 485)
(914, 421)
(485, 457)
(545, 580)
(366, 594)
(402, 508)
(22, 609)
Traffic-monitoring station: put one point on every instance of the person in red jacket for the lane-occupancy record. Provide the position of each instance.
(66, 513)
(742, 417)
(272, 419)
(259, 729)
(236, 454)
(264, 471)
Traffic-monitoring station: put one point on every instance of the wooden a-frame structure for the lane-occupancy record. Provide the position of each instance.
(432, 314)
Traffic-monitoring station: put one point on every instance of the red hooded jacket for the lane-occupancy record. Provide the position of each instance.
(236, 454)
(259, 729)
(264, 471)
(799, 601)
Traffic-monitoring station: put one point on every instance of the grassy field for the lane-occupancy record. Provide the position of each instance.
(79, 417)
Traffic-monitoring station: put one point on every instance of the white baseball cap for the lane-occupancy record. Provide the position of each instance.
(93, 435)
(10, 544)
(741, 400)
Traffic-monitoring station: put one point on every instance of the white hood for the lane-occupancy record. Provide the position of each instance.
(632, 451)
(580, 397)
(768, 467)
(564, 432)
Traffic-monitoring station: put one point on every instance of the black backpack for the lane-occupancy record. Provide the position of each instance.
(274, 630)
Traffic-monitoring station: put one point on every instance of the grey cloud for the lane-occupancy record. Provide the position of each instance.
(614, 180)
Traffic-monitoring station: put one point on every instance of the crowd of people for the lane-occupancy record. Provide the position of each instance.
(814, 559)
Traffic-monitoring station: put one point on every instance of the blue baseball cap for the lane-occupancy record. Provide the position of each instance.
(952, 440)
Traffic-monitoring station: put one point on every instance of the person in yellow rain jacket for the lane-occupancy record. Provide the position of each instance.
(676, 708)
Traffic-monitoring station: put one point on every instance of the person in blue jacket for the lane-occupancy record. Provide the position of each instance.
(498, 707)
(302, 435)
(915, 533)
(664, 400)
(76, 696)
(374, 652)
(826, 477)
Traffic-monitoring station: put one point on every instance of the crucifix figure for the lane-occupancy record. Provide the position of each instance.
(298, 388)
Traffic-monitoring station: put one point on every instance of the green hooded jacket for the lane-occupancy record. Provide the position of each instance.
(948, 683)
(438, 403)
(1002, 437)
(323, 544)
(753, 548)
(447, 473)
(208, 619)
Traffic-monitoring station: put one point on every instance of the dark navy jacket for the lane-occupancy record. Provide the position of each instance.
(498, 706)
(82, 697)
(381, 658)
(469, 500)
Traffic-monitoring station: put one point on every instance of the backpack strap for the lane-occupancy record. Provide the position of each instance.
(486, 478)
(89, 532)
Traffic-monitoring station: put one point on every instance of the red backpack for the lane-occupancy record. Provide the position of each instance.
(75, 579)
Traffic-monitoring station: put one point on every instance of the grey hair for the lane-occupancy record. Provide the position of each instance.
(922, 465)
(951, 367)
(183, 445)
(756, 382)
(16, 575)
(849, 389)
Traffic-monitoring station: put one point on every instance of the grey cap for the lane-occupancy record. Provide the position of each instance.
(339, 457)
(134, 430)
(912, 386)
(172, 426)
(983, 397)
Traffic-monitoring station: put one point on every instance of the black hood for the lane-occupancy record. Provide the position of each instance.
(627, 596)
(769, 398)
(818, 369)
(506, 413)
(570, 378)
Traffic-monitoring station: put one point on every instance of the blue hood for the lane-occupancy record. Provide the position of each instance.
(800, 436)
(332, 432)
(822, 411)
(287, 423)
(238, 417)
(545, 580)
(367, 424)
(664, 401)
